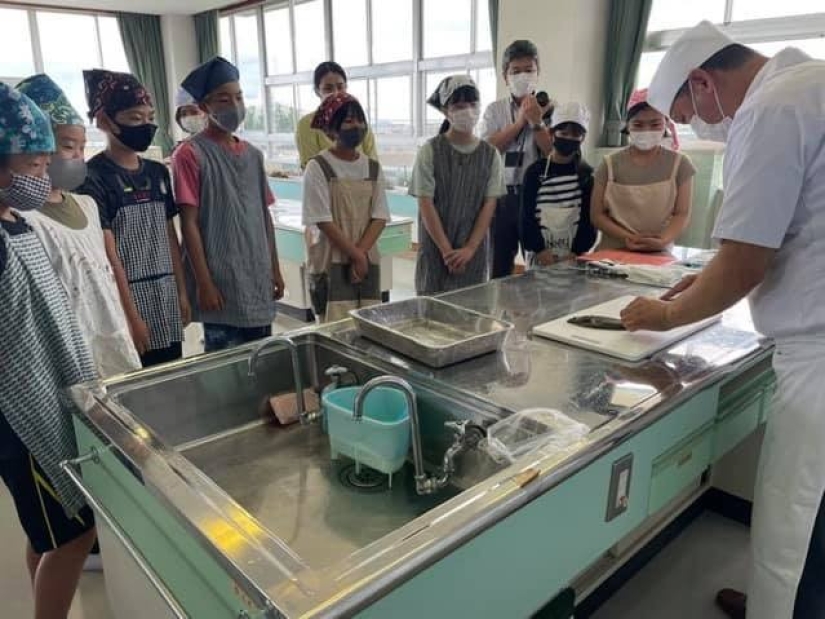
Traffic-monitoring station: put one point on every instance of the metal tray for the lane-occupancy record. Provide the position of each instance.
(433, 332)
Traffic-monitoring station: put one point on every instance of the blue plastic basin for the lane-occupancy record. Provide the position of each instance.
(381, 439)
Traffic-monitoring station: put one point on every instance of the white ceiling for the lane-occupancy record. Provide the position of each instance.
(180, 7)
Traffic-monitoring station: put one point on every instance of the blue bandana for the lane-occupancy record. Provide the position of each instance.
(24, 128)
(210, 76)
(51, 99)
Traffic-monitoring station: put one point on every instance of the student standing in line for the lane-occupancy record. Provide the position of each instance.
(643, 193)
(515, 126)
(137, 210)
(344, 198)
(329, 79)
(42, 352)
(556, 202)
(69, 228)
(232, 269)
(457, 179)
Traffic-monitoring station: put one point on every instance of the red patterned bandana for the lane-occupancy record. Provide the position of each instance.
(329, 106)
(113, 92)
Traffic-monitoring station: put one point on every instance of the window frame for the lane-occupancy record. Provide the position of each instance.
(416, 68)
(94, 136)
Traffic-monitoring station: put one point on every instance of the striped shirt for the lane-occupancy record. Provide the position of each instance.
(556, 208)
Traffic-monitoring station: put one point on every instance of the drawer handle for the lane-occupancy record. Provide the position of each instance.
(72, 469)
(685, 459)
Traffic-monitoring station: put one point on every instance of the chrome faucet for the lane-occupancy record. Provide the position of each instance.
(424, 484)
(283, 340)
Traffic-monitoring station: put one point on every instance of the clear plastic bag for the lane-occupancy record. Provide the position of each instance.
(531, 429)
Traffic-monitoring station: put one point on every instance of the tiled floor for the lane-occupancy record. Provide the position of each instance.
(682, 580)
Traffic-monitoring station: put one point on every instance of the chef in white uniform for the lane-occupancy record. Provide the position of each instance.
(771, 114)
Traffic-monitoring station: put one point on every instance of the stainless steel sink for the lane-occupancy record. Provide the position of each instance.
(213, 413)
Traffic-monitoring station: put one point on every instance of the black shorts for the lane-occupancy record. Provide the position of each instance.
(40, 512)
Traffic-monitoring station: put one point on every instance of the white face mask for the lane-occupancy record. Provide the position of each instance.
(646, 140)
(464, 120)
(716, 132)
(193, 124)
(522, 84)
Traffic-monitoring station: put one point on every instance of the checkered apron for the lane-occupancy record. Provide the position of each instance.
(143, 247)
(42, 352)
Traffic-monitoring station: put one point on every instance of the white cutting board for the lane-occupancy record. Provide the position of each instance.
(622, 344)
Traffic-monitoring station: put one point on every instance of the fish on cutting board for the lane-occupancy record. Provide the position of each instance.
(610, 337)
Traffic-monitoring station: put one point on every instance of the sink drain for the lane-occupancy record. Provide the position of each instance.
(364, 479)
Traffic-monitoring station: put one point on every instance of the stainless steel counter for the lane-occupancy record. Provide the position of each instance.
(533, 372)
(278, 563)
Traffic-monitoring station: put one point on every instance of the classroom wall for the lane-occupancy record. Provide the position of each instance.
(181, 52)
(570, 35)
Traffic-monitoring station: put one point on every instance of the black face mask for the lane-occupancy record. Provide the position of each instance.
(351, 138)
(566, 147)
(137, 138)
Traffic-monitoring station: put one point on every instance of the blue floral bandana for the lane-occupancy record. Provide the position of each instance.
(24, 128)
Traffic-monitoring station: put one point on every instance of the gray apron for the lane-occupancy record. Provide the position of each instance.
(460, 191)
(232, 220)
(42, 353)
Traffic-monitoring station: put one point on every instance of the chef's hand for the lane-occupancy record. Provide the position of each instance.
(545, 258)
(644, 314)
(683, 284)
(209, 297)
(278, 286)
(140, 334)
(532, 110)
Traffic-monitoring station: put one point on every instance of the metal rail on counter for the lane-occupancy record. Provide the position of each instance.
(71, 468)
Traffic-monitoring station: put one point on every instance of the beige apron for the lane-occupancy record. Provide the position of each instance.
(331, 287)
(642, 209)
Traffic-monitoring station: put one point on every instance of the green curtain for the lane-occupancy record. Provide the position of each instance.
(626, 33)
(143, 43)
(492, 6)
(206, 35)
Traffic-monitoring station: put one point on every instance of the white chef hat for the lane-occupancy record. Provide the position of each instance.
(571, 112)
(689, 52)
(182, 97)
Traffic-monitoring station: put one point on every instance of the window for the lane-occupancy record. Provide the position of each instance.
(665, 15)
(33, 41)
(392, 30)
(249, 66)
(447, 31)
(64, 62)
(309, 31)
(225, 38)
(278, 41)
(374, 40)
(111, 45)
(349, 31)
(766, 26)
(16, 58)
(759, 9)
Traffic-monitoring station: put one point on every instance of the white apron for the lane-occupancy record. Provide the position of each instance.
(80, 261)
(642, 209)
(791, 479)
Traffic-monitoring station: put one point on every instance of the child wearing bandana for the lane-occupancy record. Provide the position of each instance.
(137, 210)
(42, 353)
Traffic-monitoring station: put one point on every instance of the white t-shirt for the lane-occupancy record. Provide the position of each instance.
(775, 191)
(497, 116)
(316, 201)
